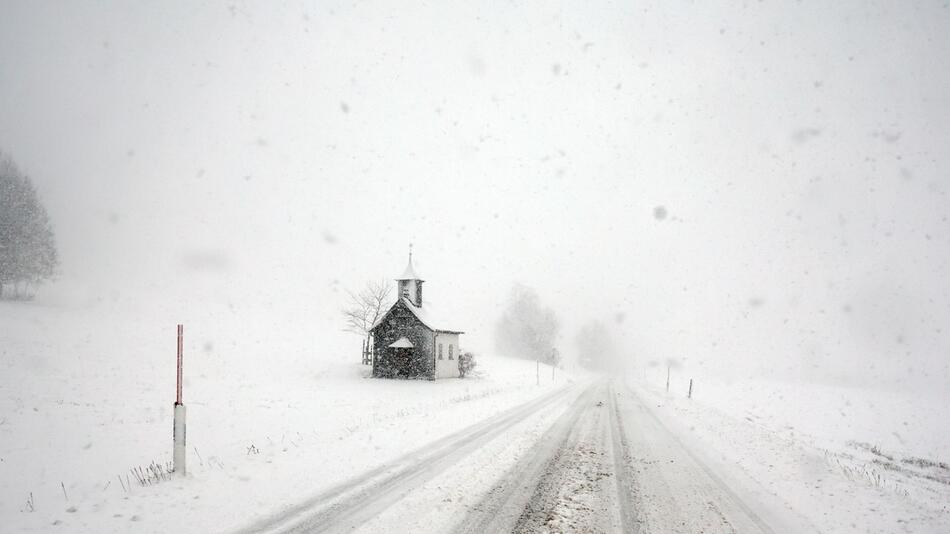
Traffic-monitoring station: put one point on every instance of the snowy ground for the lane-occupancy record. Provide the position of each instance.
(846, 459)
(282, 434)
(82, 402)
(609, 456)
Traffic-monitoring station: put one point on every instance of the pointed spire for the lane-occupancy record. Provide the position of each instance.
(410, 272)
(410, 285)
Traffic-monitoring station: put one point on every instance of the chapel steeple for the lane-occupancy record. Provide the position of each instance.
(410, 285)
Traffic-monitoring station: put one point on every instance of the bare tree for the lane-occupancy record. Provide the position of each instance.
(366, 307)
(526, 329)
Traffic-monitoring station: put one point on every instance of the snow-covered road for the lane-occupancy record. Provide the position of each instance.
(589, 458)
(610, 465)
(676, 488)
(351, 504)
(575, 478)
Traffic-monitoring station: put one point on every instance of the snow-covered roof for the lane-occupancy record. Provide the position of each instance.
(430, 316)
(409, 273)
(427, 314)
(402, 343)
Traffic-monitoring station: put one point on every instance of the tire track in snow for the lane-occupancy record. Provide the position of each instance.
(345, 506)
(503, 507)
(621, 455)
(717, 494)
(562, 483)
(576, 493)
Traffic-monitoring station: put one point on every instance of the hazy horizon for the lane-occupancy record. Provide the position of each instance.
(269, 158)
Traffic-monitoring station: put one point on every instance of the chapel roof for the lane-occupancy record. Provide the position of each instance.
(427, 314)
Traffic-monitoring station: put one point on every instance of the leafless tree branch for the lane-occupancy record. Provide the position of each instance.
(364, 308)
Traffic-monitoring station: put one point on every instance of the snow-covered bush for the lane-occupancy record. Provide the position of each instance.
(466, 363)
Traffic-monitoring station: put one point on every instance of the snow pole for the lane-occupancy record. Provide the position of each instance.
(690, 394)
(178, 371)
(178, 430)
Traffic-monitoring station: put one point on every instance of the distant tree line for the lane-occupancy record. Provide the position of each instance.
(27, 247)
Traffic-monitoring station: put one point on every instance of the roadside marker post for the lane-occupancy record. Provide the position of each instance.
(178, 431)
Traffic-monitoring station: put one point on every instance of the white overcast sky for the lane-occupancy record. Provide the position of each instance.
(283, 153)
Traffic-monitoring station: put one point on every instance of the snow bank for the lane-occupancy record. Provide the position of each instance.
(847, 458)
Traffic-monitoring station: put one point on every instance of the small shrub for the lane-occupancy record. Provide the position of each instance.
(466, 363)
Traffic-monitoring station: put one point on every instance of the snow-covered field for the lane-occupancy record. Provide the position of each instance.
(278, 411)
(86, 394)
(847, 459)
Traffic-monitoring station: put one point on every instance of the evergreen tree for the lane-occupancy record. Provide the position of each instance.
(27, 247)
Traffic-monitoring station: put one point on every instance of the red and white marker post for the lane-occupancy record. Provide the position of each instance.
(178, 432)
